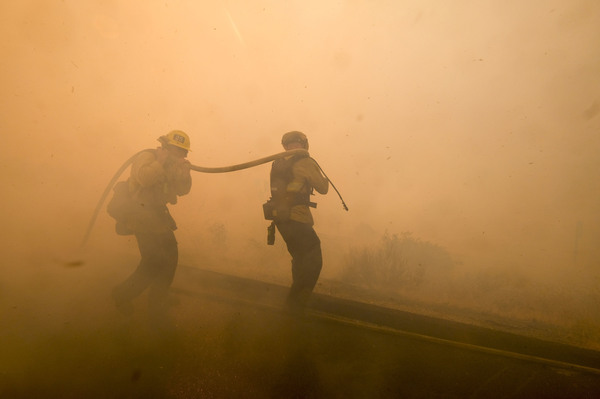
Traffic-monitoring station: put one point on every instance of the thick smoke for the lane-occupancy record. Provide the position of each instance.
(471, 129)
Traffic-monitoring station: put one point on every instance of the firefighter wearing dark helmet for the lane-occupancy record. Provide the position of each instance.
(295, 177)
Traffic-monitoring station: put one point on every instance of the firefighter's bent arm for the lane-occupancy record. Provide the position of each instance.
(182, 179)
(310, 171)
(147, 171)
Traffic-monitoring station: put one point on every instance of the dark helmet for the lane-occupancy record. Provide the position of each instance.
(294, 137)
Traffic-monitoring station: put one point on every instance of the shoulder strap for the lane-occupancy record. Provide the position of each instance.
(281, 176)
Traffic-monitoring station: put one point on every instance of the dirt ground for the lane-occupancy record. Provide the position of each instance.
(230, 338)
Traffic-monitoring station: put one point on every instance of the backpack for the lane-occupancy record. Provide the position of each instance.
(279, 206)
(120, 206)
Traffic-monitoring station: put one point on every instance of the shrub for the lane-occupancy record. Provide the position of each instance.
(398, 261)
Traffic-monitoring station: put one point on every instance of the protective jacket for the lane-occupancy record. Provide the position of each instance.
(152, 186)
(301, 175)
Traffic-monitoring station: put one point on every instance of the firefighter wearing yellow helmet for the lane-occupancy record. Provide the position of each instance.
(158, 177)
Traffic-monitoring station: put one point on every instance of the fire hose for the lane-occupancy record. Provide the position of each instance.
(202, 169)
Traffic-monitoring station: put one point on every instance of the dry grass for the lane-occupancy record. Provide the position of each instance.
(406, 272)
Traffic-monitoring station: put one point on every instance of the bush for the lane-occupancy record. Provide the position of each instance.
(398, 261)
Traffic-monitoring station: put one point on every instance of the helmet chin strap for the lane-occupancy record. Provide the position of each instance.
(293, 145)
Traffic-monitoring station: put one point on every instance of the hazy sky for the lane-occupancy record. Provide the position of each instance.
(473, 125)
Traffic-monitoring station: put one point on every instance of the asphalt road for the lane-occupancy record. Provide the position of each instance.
(229, 337)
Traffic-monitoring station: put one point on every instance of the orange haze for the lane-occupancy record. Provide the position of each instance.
(472, 125)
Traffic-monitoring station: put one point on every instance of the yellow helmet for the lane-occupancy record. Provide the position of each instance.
(177, 138)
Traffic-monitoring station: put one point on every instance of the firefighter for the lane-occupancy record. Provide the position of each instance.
(157, 178)
(292, 182)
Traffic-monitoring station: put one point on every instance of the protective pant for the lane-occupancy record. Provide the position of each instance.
(305, 247)
(156, 270)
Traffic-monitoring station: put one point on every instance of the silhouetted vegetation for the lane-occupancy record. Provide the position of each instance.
(398, 261)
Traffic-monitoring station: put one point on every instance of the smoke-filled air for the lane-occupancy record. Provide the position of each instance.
(462, 136)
